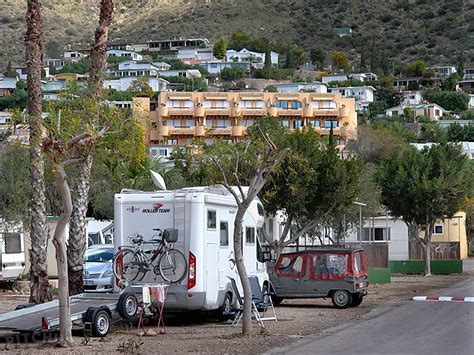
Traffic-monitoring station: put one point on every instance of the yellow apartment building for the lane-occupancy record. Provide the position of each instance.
(178, 117)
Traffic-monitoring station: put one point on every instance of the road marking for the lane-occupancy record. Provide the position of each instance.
(443, 299)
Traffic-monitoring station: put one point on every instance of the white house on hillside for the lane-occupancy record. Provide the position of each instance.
(119, 53)
(412, 97)
(363, 95)
(215, 67)
(123, 83)
(7, 85)
(245, 55)
(444, 70)
(133, 68)
(318, 87)
(432, 111)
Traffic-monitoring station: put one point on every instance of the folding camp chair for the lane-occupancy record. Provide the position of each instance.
(240, 309)
(262, 301)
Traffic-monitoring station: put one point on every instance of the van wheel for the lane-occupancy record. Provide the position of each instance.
(341, 299)
(225, 311)
(356, 299)
(127, 306)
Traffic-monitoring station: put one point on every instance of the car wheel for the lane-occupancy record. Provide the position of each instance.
(341, 299)
(225, 311)
(356, 299)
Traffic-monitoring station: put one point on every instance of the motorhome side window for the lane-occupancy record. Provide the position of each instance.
(250, 235)
(12, 243)
(211, 219)
(224, 234)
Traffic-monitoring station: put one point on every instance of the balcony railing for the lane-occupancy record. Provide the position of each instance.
(180, 111)
(183, 130)
(326, 112)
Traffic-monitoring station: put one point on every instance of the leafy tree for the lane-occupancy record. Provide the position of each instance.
(416, 68)
(9, 72)
(17, 100)
(450, 83)
(461, 61)
(268, 58)
(239, 40)
(79, 67)
(188, 84)
(422, 187)
(432, 132)
(340, 60)
(140, 88)
(289, 58)
(232, 73)
(449, 100)
(318, 57)
(458, 133)
(274, 73)
(220, 48)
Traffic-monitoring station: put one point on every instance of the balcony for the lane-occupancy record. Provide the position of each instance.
(163, 111)
(217, 111)
(308, 111)
(238, 131)
(254, 111)
(182, 130)
(181, 111)
(328, 112)
(221, 131)
(199, 112)
(325, 131)
(289, 112)
(200, 131)
(164, 131)
(344, 112)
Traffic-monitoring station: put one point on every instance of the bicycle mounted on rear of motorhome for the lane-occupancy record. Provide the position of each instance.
(132, 263)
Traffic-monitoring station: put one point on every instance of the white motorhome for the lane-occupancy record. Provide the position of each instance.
(12, 255)
(204, 218)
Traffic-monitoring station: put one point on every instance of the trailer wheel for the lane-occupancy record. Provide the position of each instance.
(127, 306)
(101, 324)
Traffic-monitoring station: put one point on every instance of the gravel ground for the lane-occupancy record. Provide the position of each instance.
(199, 334)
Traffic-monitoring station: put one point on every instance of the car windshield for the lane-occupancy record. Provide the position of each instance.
(99, 255)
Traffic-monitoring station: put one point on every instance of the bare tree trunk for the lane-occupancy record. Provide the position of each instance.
(39, 284)
(77, 231)
(426, 252)
(59, 240)
(239, 260)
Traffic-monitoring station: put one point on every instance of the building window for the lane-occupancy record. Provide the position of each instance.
(329, 104)
(250, 235)
(293, 105)
(377, 234)
(315, 123)
(298, 124)
(331, 124)
(211, 219)
(438, 229)
(224, 234)
(12, 243)
(285, 123)
(172, 142)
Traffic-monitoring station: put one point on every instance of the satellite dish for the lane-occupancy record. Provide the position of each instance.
(158, 180)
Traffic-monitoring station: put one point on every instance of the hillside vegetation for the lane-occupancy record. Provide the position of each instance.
(403, 29)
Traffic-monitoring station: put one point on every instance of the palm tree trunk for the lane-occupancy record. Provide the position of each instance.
(77, 233)
(39, 284)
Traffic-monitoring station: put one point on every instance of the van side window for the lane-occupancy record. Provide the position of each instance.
(12, 243)
(290, 265)
(211, 219)
(249, 235)
(224, 234)
(260, 209)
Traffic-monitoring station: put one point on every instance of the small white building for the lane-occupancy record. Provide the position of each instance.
(363, 95)
(22, 73)
(412, 97)
(364, 76)
(468, 74)
(245, 55)
(53, 62)
(74, 56)
(123, 83)
(328, 78)
(471, 101)
(119, 53)
(444, 70)
(133, 68)
(193, 56)
(467, 147)
(162, 65)
(318, 87)
(185, 73)
(432, 111)
(215, 67)
(7, 85)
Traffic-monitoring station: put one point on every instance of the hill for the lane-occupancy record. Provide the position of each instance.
(403, 29)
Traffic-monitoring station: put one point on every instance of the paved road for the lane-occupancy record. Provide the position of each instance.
(413, 328)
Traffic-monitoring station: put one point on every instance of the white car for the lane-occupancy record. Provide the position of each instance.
(98, 275)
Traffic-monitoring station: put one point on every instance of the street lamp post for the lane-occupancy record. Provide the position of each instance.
(360, 204)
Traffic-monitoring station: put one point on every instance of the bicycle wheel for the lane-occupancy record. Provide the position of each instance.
(172, 266)
(127, 265)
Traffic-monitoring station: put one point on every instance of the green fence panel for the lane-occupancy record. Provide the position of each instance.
(378, 275)
(418, 266)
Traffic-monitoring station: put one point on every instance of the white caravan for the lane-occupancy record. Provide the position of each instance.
(204, 218)
(12, 253)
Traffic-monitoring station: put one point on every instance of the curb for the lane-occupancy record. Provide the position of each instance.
(444, 298)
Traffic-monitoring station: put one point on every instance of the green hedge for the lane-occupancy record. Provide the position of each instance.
(418, 266)
(378, 275)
